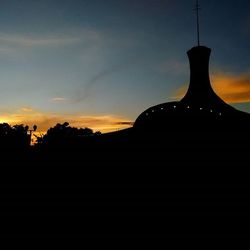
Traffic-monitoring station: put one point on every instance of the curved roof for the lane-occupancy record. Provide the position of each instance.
(199, 102)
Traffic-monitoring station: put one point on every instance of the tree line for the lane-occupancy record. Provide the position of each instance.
(20, 136)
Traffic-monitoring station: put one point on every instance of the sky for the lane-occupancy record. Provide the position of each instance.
(99, 64)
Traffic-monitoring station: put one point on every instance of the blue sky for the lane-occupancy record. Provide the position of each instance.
(99, 63)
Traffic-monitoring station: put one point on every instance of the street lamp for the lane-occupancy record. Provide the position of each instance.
(31, 131)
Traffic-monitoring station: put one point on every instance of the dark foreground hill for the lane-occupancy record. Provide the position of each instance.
(201, 152)
(182, 188)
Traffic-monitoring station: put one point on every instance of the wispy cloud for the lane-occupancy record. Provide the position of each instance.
(179, 93)
(34, 41)
(232, 88)
(14, 44)
(26, 109)
(59, 99)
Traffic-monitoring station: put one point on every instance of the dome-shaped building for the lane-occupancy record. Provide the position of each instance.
(200, 107)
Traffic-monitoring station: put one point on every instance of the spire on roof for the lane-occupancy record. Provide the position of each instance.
(197, 9)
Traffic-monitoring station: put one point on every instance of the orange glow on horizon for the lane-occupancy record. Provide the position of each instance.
(44, 121)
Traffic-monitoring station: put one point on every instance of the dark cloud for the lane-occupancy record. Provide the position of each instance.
(86, 90)
(125, 123)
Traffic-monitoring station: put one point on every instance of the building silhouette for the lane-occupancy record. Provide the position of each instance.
(201, 109)
(200, 103)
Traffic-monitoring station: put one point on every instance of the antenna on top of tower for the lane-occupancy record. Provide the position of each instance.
(197, 9)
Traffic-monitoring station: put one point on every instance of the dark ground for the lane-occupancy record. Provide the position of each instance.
(175, 192)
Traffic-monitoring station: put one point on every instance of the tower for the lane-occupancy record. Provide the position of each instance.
(200, 91)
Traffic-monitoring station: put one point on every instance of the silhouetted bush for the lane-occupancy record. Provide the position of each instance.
(16, 136)
(63, 135)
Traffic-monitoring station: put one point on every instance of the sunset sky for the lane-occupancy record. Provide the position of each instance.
(100, 63)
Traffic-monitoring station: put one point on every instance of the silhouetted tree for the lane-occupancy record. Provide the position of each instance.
(14, 136)
(63, 135)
